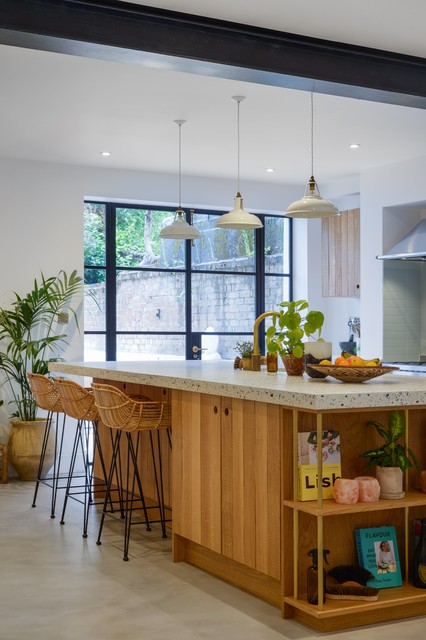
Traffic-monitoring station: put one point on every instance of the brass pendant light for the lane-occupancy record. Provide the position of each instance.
(238, 217)
(180, 229)
(312, 205)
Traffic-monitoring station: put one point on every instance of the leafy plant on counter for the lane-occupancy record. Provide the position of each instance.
(290, 325)
(392, 453)
(244, 348)
(30, 337)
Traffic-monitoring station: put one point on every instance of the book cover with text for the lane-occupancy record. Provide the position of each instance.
(308, 463)
(377, 549)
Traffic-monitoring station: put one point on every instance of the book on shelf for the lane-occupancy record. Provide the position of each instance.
(377, 549)
(308, 463)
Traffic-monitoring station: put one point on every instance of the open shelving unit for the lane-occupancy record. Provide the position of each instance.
(325, 524)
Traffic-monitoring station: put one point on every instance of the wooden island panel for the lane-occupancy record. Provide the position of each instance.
(227, 485)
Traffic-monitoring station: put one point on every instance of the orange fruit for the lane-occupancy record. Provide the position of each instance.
(356, 361)
(339, 360)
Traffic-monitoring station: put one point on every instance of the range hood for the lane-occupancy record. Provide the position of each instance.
(411, 247)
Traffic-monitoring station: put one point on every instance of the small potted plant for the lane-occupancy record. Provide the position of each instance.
(392, 458)
(245, 351)
(292, 323)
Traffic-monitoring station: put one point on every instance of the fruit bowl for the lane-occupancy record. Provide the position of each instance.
(352, 374)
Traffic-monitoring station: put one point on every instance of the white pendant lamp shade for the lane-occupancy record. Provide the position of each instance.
(238, 217)
(312, 205)
(180, 229)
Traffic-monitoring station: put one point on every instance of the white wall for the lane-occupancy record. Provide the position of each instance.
(393, 185)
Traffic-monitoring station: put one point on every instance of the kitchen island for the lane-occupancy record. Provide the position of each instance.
(234, 476)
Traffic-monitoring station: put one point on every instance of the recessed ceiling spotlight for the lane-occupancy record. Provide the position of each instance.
(354, 146)
(105, 153)
(270, 170)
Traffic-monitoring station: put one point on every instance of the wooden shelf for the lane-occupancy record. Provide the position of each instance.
(393, 603)
(331, 525)
(332, 508)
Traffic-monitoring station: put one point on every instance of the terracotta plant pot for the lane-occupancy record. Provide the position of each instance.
(293, 366)
(391, 483)
(24, 447)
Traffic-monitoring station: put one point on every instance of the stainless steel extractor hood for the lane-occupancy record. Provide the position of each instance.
(411, 247)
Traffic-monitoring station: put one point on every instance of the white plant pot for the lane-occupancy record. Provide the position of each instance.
(391, 483)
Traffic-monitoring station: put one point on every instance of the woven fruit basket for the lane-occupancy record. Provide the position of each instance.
(352, 374)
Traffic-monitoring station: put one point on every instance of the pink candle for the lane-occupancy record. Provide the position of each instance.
(369, 488)
(346, 491)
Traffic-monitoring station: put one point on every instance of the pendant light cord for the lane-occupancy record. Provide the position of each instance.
(238, 146)
(238, 99)
(180, 165)
(180, 123)
(312, 133)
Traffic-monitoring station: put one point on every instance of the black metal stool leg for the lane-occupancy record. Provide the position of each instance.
(42, 455)
(71, 469)
(57, 462)
(159, 490)
(115, 454)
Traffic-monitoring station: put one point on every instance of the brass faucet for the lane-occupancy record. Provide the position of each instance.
(255, 359)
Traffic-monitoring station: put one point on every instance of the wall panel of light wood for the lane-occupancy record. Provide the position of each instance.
(341, 255)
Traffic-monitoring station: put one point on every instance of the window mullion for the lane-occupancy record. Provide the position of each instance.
(111, 283)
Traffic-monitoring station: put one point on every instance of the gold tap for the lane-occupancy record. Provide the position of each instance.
(255, 359)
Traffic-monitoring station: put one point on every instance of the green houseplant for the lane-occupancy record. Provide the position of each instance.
(30, 338)
(245, 351)
(392, 458)
(290, 325)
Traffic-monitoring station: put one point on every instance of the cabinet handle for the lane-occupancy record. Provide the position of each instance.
(226, 411)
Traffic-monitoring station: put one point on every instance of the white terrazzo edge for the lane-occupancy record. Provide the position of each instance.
(220, 378)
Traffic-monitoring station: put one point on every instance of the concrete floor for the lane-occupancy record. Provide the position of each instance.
(55, 585)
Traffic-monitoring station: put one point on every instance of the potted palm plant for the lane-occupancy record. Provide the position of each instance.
(292, 323)
(392, 458)
(30, 338)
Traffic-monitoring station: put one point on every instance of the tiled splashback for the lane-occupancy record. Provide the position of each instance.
(404, 310)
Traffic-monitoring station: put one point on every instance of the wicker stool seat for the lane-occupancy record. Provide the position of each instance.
(79, 403)
(46, 398)
(127, 415)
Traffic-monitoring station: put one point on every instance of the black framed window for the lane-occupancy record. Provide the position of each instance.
(149, 298)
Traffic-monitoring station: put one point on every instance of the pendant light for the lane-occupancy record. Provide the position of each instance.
(180, 229)
(238, 218)
(312, 205)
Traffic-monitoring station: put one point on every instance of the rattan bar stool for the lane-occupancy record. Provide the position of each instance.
(46, 397)
(78, 402)
(124, 414)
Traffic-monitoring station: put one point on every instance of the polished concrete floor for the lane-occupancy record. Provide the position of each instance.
(55, 585)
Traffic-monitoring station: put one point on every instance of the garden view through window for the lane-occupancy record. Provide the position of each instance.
(148, 298)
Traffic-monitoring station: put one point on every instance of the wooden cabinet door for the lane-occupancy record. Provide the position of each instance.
(251, 484)
(196, 469)
(226, 477)
(341, 254)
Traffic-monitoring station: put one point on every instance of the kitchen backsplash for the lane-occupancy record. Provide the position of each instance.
(404, 310)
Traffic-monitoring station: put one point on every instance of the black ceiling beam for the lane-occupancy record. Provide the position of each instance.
(155, 37)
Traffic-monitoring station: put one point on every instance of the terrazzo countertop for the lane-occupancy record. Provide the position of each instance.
(220, 378)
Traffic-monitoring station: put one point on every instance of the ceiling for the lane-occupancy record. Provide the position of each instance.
(67, 109)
